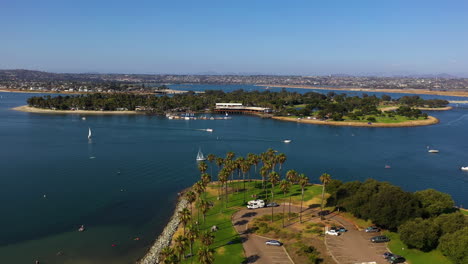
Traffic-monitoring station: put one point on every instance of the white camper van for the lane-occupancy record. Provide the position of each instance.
(254, 204)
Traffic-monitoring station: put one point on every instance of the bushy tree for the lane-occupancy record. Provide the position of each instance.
(419, 233)
(450, 223)
(455, 246)
(434, 202)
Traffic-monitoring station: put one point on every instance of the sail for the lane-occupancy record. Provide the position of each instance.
(89, 132)
(200, 155)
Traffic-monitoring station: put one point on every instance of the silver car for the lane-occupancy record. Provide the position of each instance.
(273, 243)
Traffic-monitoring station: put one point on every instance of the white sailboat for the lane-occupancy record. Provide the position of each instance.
(89, 133)
(287, 141)
(464, 168)
(200, 156)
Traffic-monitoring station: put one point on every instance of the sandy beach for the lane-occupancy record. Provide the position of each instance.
(30, 109)
(403, 91)
(429, 121)
(391, 108)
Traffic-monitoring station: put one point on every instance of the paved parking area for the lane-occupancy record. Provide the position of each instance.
(354, 246)
(254, 245)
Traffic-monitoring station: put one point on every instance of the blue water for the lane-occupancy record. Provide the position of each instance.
(123, 184)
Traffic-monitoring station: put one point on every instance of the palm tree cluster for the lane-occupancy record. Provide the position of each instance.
(232, 169)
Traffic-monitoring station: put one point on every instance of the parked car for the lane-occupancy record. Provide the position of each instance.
(332, 232)
(396, 259)
(379, 239)
(254, 204)
(371, 229)
(387, 255)
(273, 243)
(272, 205)
(324, 212)
(339, 229)
(342, 229)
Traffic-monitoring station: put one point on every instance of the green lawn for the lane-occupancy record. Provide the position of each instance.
(464, 211)
(385, 119)
(414, 256)
(227, 245)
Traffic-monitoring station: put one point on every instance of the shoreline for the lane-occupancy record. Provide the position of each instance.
(403, 91)
(165, 238)
(429, 121)
(446, 108)
(30, 109)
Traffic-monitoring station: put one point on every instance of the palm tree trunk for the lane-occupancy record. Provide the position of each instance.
(289, 216)
(243, 179)
(302, 200)
(321, 204)
(284, 205)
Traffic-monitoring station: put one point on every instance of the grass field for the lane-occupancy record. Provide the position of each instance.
(228, 247)
(414, 256)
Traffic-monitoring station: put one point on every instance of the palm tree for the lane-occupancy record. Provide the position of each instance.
(192, 233)
(207, 238)
(185, 217)
(199, 188)
(205, 178)
(191, 197)
(223, 178)
(238, 165)
(303, 181)
(171, 259)
(284, 186)
(274, 178)
(245, 167)
(230, 155)
(202, 167)
(204, 207)
(325, 179)
(264, 172)
(206, 255)
(210, 158)
(281, 158)
(165, 253)
(291, 176)
(180, 244)
(219, 162)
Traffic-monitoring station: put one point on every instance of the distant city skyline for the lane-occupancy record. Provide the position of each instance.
(242, 37)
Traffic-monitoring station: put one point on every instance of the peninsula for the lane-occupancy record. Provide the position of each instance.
(310, 107)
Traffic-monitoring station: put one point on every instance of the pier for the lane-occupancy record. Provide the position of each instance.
(238, 108)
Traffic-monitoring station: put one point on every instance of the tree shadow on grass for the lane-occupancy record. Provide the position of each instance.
(241, 222)
(249, 214)
(251, 259)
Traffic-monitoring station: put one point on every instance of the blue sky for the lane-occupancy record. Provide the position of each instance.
(271, 37)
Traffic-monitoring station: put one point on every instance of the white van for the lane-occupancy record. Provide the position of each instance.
(254, 204)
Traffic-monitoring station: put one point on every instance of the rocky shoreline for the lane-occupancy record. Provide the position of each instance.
(164, 239)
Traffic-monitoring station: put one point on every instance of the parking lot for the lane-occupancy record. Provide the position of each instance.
(254, 245)
(354, 246)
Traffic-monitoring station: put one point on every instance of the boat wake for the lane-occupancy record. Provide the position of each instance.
(457, 120)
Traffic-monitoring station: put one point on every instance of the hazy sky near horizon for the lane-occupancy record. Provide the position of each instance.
(271, 37)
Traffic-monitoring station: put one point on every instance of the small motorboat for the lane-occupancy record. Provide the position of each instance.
(464, 168)
(81, 229)
(433, 151)
(209, 130)
(388, 166)
(83, 118)
(287, 141)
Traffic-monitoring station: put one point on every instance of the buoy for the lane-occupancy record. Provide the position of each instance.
(114, 245)
(44, 196)
(136, 238)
